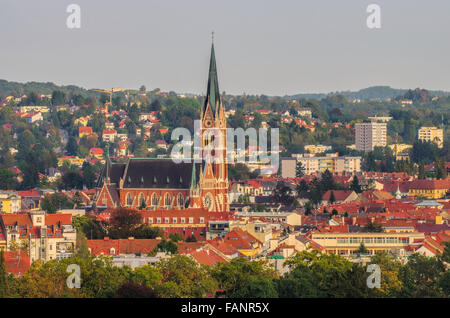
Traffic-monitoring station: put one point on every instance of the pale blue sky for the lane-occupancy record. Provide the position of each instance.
(262, 47)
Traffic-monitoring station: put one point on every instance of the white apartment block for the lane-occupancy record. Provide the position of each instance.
(370, 135)
(312, 164)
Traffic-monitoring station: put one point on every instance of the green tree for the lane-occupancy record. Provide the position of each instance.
(176, 237)
(183, 277)
(299, 169)
(316, 274)
(55, 202)
(373, 227)
(7, 179)
(422, 174)
(191, 238)
(332, 198)
(440, 168)
(166, 246)
(240, 276)
(390, 268)
(355, 186)
(124, 222)
(3, 276)
(257, 288)
(362, 249)
(89, 177)
(420, 276)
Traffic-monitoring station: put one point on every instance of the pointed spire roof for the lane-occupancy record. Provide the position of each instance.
(193, 177)
(212, 91)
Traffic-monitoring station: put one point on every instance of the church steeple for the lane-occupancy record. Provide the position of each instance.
(212, 90)
(193, 178)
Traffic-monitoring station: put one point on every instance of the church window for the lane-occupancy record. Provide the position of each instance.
(141, 199)
(154, 199)
(129, 200)
(180, 200)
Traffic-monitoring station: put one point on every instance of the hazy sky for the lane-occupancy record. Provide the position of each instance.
(271, 47)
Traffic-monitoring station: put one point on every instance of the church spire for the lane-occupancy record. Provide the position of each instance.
(212, 91)
(193, 177)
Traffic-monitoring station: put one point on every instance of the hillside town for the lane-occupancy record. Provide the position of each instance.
(90, 175)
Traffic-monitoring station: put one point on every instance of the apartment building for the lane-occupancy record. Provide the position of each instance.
(45, 236)
(431, 134)
(288, 167)
(331, 162)
(370, 135)
(345, 243)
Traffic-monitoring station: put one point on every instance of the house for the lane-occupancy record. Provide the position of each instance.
(130, 246)
(96, 153)
(240, 241)
(109, 135)
(340, 196)
(109, 125)
(10, 202)
(17, 262)
(146, 116)
(431, 189)
(73, 160)
(207, 255)
(264, 111)
(161, 144)
(304, 112)
(29, 199)
(33, 117)
(82, 121)
(84, 131)
(33, 109)
(434, 245)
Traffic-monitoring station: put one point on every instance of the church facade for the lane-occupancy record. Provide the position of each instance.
(158, 184)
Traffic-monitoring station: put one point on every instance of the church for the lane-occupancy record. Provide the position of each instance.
(162, 184)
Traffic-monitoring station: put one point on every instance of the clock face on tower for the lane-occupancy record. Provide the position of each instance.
(207, 202)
